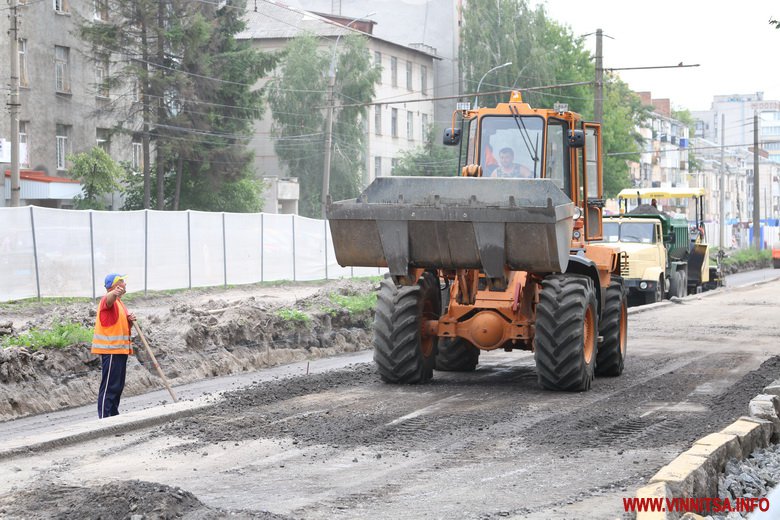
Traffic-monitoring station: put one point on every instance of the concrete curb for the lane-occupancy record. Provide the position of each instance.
(94, 428)
(695, 473)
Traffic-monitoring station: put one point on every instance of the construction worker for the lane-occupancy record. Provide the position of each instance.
(112, 341)
(508, 168)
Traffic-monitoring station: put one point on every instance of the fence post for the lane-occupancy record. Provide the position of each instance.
(293, 238)
(189, 252)
(92, 252)
(262, 247)
(146, 249)
(35, 255)
(325, 222)
(224, 248)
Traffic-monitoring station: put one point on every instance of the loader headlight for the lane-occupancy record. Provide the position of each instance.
(643, 285)
(576, 235)
(577, 212)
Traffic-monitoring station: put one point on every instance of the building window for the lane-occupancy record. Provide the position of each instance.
(103, 138)
(378, 119)
(393, 166)
(424, 128)
(138, 156)
(378, 63)
(377, 166)
(24, 143)
(23, 80)
(61, 6)
(101, 10)
(62, 68)
(394, 71)
(62, 145)
(394, 122)
(409, 75)
(410, 125)
(101, 77)
(423, 79)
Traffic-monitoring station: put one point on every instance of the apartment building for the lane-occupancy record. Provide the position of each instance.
(431, 24)
(61, 87)
(407, 84)
(664, 159)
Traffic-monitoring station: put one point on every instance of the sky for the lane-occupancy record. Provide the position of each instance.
(738, 52)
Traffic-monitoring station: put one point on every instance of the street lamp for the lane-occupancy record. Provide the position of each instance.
(476, 97)
(329, 117)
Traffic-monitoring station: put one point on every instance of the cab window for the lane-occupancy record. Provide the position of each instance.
(556, 167)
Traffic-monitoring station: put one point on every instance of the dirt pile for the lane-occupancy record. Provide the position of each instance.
(133, 500)
(193, 339)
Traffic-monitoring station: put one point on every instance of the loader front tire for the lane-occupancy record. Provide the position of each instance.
(403, 353)
(613, 327)
(457, 355)
(566, 333)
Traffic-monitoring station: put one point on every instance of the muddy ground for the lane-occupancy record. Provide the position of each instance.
(486, 445)
(194, 335)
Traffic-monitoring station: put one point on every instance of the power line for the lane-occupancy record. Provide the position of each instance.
(465, 95)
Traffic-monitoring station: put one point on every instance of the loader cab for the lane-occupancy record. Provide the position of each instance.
(514, 140)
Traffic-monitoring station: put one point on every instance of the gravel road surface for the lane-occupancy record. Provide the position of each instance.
(487, 444)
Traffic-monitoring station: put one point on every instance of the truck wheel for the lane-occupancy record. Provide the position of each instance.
(457, 355)
(683, 284)
(613, 327)
(566, 333)
(676, 287)
(402, 352)
(657, 295)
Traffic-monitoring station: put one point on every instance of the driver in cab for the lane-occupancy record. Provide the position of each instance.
(507, 167)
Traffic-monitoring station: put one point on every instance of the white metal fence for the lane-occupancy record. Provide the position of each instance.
(62, 253)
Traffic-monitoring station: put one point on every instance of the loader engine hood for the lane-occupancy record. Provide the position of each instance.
(455, 222)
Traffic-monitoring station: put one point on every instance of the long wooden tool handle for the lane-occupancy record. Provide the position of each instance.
(154, 361)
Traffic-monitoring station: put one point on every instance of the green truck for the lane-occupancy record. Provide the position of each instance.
(665, 255)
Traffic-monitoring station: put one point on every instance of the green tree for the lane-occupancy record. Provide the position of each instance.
(543, 52)
(623, 116)
(181, 82)
(99, 176)
(432, 159)
(295, 98)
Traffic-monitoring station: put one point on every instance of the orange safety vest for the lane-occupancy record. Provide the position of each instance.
(114, 339)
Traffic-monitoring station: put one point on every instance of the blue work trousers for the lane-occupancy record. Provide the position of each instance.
(111, 384)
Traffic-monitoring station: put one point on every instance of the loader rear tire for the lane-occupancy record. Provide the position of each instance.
(566, 333)
(402, 352)
(457, 355)
(613, 327)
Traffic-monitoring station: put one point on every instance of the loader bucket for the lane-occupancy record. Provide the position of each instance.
(455, 222)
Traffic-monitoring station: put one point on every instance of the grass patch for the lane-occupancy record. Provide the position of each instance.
(354, 303)
(59, 336)
(293, 315)
(744, 256)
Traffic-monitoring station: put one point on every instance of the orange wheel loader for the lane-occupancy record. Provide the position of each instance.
(502, 256)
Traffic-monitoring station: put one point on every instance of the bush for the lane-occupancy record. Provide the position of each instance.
(745, 260)
(59, 336)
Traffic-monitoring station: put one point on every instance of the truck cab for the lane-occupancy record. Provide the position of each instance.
(646, 264)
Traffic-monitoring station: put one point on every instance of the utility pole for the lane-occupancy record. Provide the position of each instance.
(328, 141)
(722, 218)
(329, 116)
(13, 105)
(598, 99)
(756, 192)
